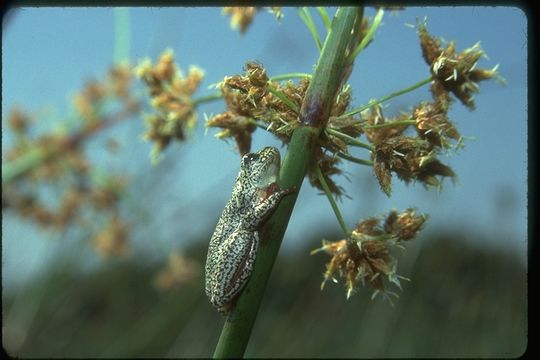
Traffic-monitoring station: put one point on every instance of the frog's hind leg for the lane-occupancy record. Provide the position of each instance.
(234, 265)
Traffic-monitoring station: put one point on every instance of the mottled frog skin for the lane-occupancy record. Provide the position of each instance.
(233, 246)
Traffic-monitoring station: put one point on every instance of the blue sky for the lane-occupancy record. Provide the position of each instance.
(48, 53)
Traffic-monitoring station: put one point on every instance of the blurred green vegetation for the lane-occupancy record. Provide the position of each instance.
(464, 300)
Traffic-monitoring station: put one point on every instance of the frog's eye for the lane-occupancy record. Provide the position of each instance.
(249, 158)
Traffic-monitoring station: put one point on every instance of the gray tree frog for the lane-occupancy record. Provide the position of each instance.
(233, 246)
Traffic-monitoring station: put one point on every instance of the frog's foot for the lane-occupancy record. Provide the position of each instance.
(274, 188)
(290, 190)
(225, 309)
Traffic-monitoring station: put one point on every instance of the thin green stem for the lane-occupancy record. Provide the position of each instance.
(281, 96)
(388, 97)
(354, 159)
(32, 158)
(305, 15)
(369, 35)
(122, 34)
(332, 201)
(324, 17)
(390, 124)
(349, 139)
(297, 75)
(207, 98)
(258, 124)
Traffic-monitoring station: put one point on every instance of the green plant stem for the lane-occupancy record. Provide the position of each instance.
(369, 35)
(332, 201)
(354, 159)
(324, 16)
(258, 124)
(349, 139)
(208, 98)
(390, 124)
(388, 97)
(297, 75)
(314, 114)
(23, 164)
(305, 15)
(122, 34)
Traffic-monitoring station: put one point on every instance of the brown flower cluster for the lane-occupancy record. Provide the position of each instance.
(378, 128)
(89, 102)
(57, 162)
(18, 121)
(60, 151)
(365, 256)
(179, 270)
(433, 125)
(77, 195)
(28, 206)
(104, 198)
(456, 72)
(112, 239)
(171, 97)
(48, 145)
(241, 17)
(415, 158)
(412, 159)
(251, 99)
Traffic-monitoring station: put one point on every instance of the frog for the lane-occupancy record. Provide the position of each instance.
(233, 246)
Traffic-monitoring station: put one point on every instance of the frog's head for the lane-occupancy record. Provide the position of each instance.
(262, 167)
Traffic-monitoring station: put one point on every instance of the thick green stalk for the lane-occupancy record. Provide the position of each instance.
(314, 114)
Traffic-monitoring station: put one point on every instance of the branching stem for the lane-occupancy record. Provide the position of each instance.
(207, 98)
(354, 159)
(288, 76)
(388, 97)
(349, 139)
(390, 124)
(332, 201)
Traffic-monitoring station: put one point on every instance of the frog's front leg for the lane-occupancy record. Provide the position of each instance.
(271, 197)
(233, 266)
